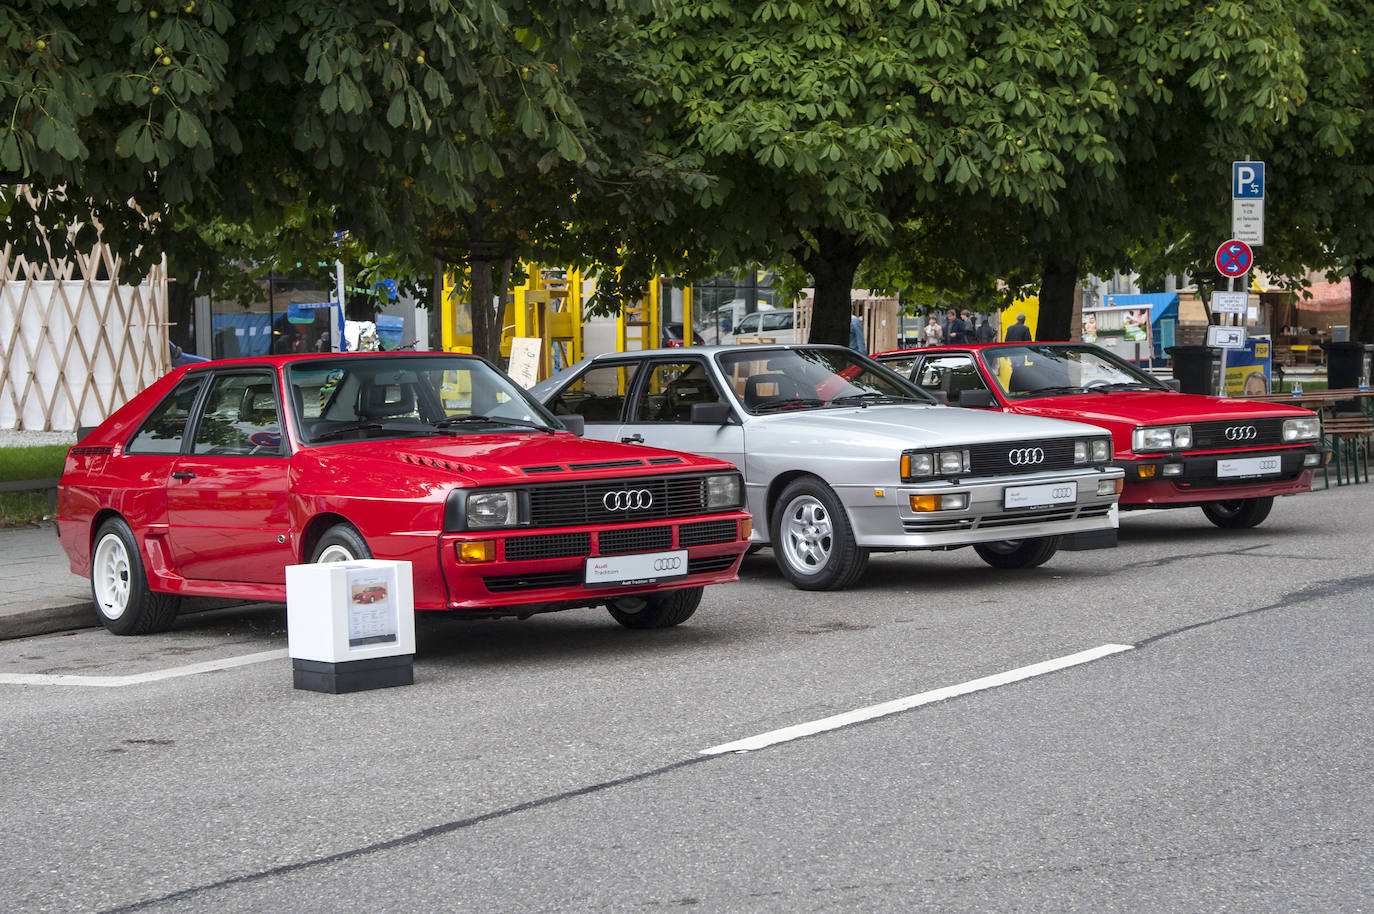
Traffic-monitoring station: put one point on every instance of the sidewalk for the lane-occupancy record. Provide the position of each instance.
(41, 593)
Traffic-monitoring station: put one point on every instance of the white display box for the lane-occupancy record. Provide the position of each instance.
(340, 612)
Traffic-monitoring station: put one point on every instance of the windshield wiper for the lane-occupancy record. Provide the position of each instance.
(492, 420)
(779, 403)
(873, 397)
(355, 427)
(1124, 385)
(1048, 391)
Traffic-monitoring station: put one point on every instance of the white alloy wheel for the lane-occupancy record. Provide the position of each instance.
(335, 552)
(110, 576)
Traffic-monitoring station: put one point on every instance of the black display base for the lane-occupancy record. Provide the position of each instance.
(354, 675)
(1082, 542)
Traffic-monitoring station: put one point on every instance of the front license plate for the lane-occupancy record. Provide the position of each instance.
(1249, 466)
(639, 568)
(1053, 493)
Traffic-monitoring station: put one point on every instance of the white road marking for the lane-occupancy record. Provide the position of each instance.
(895, 706)
(106, 682)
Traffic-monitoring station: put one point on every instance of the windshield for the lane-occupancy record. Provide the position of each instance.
(407, 395)
(1056, 370)
(773, 380)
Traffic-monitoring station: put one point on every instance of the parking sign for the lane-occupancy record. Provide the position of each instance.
(1247, 180)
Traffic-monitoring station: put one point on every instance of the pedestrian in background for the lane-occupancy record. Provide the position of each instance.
(1019, 332)
(986, 332)
(956, 331)
(932, 332)
(856, 334)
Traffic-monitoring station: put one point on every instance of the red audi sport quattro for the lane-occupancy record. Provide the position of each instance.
(1228, 457)
(219, 475)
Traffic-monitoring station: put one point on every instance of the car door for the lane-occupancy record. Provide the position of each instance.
(660, 413)
(598, 395)
(228, 502)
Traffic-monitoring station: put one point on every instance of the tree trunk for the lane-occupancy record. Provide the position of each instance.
(1058, 279)
(832, 264)
(486, 326)
(1362, 302)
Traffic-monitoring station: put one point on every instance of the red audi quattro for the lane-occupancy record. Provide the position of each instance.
(1228, 457)
(219, 475)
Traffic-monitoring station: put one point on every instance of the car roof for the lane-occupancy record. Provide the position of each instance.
(964, 347)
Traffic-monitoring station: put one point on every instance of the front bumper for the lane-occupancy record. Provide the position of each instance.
(543, 570)
(890, 522)
(1192, 478)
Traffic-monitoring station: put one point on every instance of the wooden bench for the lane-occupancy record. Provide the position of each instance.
(1348, 436)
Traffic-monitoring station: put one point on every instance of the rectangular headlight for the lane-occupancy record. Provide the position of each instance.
(1306, 428)
(915, 465)
(951, 462)
(724, 491)
(1163, 438)
(487, 510)
(1101, 450)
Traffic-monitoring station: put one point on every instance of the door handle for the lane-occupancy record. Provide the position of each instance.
(633, 439)
(181, 475)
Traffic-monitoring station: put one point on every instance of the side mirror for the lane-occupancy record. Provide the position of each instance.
(976, 399)
(575, 424)
(711, 413)
(1175, 383)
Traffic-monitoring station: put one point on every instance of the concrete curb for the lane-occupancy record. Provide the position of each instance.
(45, 620)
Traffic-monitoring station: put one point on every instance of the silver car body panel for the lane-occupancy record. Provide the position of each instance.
(857, 450)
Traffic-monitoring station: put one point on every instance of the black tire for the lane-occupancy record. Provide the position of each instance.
(1027, 553)
(124, 602)
(341, 543)
(656, 610)
(812, 539)
(1240, 513)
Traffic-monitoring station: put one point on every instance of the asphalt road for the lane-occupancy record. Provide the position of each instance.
(1216, 757)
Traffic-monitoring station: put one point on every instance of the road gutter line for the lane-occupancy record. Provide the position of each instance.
(71, 679)
(872, 712)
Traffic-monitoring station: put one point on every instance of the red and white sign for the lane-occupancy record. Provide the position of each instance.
(1234, 258)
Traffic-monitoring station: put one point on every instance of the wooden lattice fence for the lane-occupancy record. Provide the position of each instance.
(75, 345)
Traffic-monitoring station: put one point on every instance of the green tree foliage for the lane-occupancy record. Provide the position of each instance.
(149, 115)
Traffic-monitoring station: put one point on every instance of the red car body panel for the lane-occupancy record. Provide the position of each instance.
(230, 529)
(1121, 412)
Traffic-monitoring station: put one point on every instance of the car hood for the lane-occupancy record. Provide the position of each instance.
(498, 459)
(937, 424)
(1133, 408)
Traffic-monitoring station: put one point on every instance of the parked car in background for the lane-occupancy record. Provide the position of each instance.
(672, 336)
(1228, 457)
(842, 457)
(215, 478)
(777, 325)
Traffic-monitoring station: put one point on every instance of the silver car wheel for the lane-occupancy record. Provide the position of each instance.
(335, 553)
(807, 534)
(110, 576)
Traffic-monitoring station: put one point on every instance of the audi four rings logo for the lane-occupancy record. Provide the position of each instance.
(1025, 456)
(628, 500)
(672, 563)
(1241, 432)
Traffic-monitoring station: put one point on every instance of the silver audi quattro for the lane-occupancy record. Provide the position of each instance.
(842, 457)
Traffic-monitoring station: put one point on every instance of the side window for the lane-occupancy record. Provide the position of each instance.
(748, 326)
(901, 365)
(598, 395)
(777, 320)
(670, 390)
(953, 374)
(163, 430)
(240, 417)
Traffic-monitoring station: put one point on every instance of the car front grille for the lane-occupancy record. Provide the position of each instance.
(617, 501)
(508, 583)
(547, 546)
(1237, 433)
(1005, 457)
(707, 533)
(638, 539)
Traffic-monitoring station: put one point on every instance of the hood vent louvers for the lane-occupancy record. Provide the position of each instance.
(436, 463)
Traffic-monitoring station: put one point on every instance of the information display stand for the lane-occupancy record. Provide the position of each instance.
(350, 625)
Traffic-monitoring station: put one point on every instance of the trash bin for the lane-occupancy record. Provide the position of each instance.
(1193, 368)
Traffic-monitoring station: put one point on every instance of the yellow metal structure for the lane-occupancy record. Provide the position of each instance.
(546, 307)
(638, 325)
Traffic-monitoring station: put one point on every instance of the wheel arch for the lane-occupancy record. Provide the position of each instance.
(315, 529)
(775, 487)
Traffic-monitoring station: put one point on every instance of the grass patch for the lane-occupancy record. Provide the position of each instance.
(16, 463)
